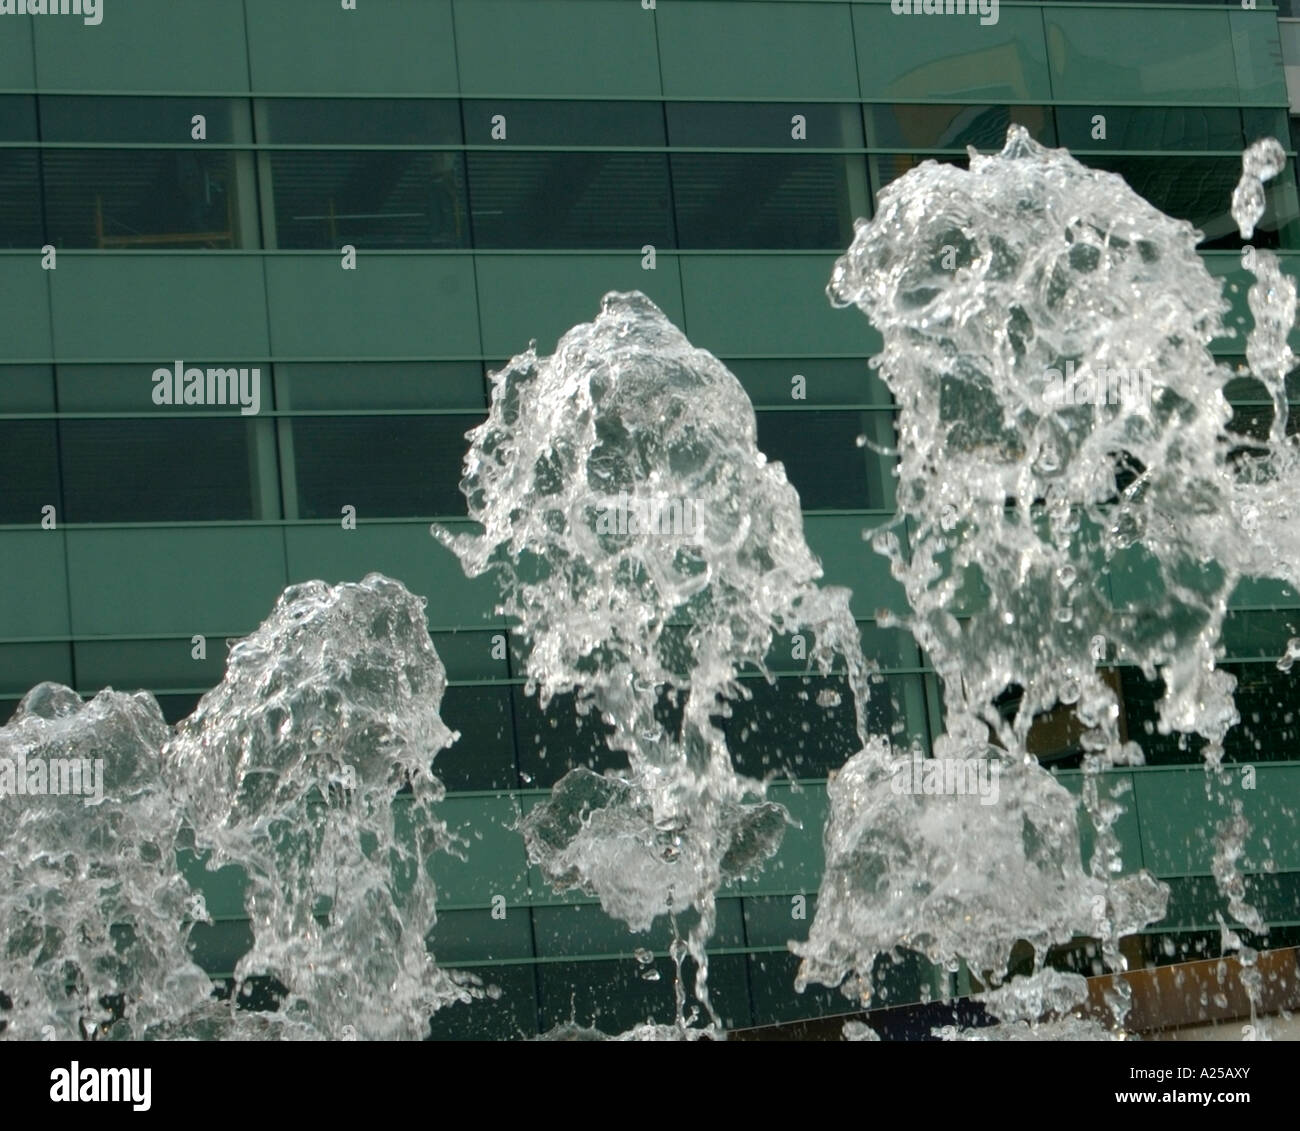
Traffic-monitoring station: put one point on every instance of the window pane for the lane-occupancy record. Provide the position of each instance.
(484, 755)
(782, 729)
(821, 457)
(765, 202)
(26, 388)
(372, 199)
(763, 124)
(825, 381)
(1181, 127)
(1199, 190)
(28, 470)
(22, 666)
(354, 385)
(886, 167)
(385, 466)
(17, 117)
(954, 127)
(1263, 121)
(155, 664)
(550, 743)
(130, 388)
(360, 121)
(564, 123)
(21, 209)
(96, 118)
(1245, 387)
(140, 198)
(155, 470)
(570, 200)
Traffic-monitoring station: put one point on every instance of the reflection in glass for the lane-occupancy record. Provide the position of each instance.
(767, 201)
(385, 466)
(570, 200)
(140, 198)
(954, 127)
(370, 198)
(359, 121)
(741, 125)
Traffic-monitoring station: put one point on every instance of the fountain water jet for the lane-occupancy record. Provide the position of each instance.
(648, 622)
(1038, 533)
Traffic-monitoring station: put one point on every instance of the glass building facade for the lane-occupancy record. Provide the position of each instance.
(178, 183)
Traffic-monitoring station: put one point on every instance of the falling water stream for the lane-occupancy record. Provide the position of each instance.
(1069, 499)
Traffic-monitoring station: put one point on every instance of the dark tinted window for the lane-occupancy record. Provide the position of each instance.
(1199, 190)
(140, 198)
(570, 200)
(766, 201)
(22, 222)
(821, 457)
(376, 199)
(743, 125)
(385, 466)
(954, 127)
(563, 123)
(157, 470)
(360, 121)
(81, 118)
(29, 470)
(1181, 127)
(17, 117)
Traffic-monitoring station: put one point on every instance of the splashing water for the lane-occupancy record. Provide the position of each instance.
(954, 871)
(1064, 479)
(1069, 496)
(291, 768)
(648, 551)
(92, 905)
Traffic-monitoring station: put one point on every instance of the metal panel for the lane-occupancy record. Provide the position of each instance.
(560, 48)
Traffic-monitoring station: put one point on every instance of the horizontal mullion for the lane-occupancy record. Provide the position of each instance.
(777, 100)
(507, 147)
(750, 675)
(290, 413)
(527, 252)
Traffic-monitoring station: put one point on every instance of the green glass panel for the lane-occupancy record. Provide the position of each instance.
(1136, 54)
(526, 297)
(304, 46)
(769, 305)
(957, 57)
(35, 562)
(771, 50)
(494, 864)
(24, 286)
(147, 45)
(159, 309)
(405, 552)
(598, 49)
(370, 198)
(199, 579)
(390, 305)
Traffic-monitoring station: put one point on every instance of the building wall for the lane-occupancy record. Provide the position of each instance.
(624, 127)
